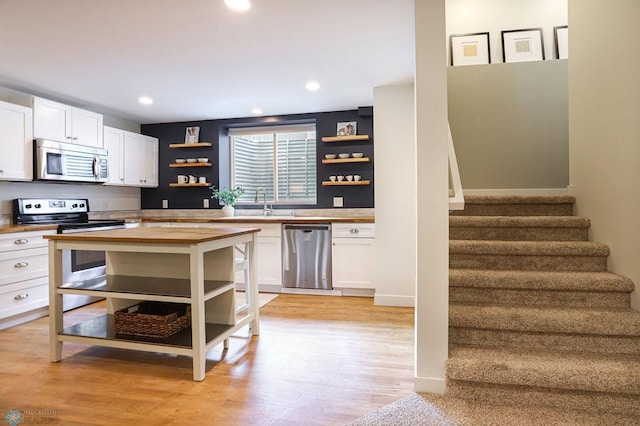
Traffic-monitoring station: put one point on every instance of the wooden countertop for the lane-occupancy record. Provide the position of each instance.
(155, 235)
(264, 219)
(7, 229)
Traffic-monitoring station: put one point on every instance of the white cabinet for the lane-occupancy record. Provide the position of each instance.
(64, 123)
(24, 273)
(353, 255)
(140, 160)
(269, 256)
(16, 135)
(114, 144)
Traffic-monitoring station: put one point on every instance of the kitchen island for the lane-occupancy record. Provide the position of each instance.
(178, 265)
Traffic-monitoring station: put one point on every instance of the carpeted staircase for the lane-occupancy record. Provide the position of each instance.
(535, 318)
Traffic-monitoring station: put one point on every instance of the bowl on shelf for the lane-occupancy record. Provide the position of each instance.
(344, 155)
(192, 160)
(203, 160)
(180, 161)
(329, 156)
(357, 154)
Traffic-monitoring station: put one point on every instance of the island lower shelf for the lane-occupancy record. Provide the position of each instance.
(101, 331)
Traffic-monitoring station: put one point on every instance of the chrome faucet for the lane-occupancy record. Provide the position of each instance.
(266, 211)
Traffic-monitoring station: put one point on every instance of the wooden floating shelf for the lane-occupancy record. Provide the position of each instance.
(345, 182)
(345, 138)
(346, 160)
(190, 184)
(189, 145)
(190, 164)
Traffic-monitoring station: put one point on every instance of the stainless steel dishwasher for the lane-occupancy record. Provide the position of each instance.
(306, 256)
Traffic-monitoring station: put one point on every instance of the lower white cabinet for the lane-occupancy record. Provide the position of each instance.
(16, 140)
(269, 258)
(353, 255)
(24, 272)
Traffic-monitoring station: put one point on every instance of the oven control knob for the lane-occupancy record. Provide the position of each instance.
(38, 206)
(81, 205)
(75, 206)
(28, 206)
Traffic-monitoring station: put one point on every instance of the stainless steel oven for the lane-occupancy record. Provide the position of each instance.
(79, 267)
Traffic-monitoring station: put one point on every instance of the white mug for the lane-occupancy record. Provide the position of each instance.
(349, 178)
(340, 178)
(357, 177)
(182, 179)
(332, 178)
(192, 179)
(203, 179)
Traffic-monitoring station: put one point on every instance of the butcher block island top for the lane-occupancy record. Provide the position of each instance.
(155, 235)
(189, 266)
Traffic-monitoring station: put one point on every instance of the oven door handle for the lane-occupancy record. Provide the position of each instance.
(96, 167)
(91, 229)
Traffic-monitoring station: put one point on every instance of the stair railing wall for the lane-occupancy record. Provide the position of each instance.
(456, 196)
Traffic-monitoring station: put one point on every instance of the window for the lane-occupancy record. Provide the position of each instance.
(280, 159)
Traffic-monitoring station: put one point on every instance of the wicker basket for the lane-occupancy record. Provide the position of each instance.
(153, 319)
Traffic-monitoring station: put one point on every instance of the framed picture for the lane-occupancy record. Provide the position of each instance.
(347, 128)
(469, 49)
(562, 41)
(522, 45)
(192, 135)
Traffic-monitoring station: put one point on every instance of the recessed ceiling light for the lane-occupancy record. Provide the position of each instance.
(145, 100)
(238, 5)
(257, 111)
(312, 86)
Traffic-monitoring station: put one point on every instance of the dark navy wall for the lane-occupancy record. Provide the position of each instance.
(215, 131)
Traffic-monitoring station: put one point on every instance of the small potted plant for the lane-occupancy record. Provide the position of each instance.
(228, 196)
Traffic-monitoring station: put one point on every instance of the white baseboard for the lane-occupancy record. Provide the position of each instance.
(311, 291)
(24, 317)
(394, 300)
(522, 191)
(429, 385)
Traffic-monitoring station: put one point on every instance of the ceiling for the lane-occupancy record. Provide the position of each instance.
(200, 60)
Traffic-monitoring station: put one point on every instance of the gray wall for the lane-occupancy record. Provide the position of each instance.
(510, 124)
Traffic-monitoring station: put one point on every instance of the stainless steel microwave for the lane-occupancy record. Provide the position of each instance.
(59, 161)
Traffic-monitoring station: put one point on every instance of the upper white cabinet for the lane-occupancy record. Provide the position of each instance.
(114, 144)
(64, 123)
(16, 142)
(140, 160)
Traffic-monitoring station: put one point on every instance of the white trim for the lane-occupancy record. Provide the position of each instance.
(394, 300)
(521, 191)
(456, 196)
(429, 385)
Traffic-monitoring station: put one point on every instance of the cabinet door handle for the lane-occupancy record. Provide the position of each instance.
(21, 296)
(354, 231)
(21, 264)
(21, 241)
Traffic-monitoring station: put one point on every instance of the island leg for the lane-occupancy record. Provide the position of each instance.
(55, 302)
(252, 287)
(198, 336)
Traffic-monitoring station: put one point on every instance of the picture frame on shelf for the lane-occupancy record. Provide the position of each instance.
(561, 36)
(470, 49)
(347, 128)
(522, 45)
(192, 135)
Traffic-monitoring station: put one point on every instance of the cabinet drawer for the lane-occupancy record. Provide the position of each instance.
(353, 230)
(18, 298)
(22, 265)
(23, 240)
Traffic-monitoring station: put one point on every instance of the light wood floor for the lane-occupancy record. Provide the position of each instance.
(319, 360)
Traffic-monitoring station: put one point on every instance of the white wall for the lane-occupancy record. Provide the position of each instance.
(604, 129)
(495, 16)
(432, 294)
(395, 192)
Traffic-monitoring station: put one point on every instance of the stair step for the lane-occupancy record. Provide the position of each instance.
(617, 409)
(528, 255)
(604, 322)
(577, 289)
(492, 205)
(617, 374)
(519, 228)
